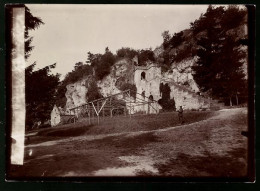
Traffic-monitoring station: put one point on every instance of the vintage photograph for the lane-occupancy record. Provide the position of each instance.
(128, 91)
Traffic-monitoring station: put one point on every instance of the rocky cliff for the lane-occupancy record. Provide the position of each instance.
(180, 79)
(121, 72)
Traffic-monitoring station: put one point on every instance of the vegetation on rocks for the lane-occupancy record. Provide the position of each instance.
(216, 39)
(128, 86)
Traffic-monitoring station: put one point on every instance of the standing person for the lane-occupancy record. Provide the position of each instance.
(180, 115)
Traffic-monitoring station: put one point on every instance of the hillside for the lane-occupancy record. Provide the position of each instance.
(181, 64)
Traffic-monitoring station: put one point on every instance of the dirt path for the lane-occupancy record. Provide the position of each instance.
(152, 159)
(211, 147)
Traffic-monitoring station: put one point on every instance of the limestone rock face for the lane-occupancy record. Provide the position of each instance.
(76, 93)
(107, 86)
(147, 80)
(121, 72)
(181, 73)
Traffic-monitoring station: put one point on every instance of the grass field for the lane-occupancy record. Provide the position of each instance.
(121, 124)
(209, 144)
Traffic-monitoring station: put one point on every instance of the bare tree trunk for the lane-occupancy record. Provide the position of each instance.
(230, 101)
(237, 99)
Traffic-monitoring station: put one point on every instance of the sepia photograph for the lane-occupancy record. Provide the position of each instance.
(129, 91)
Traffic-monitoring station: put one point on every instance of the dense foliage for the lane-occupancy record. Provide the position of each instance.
(128, 86)
(80, 70)
(144, 56)
(31, 23)
(93, 91)
(126, 53)
(219, 69)
(40, 85)
(216, 39)
(40, 91)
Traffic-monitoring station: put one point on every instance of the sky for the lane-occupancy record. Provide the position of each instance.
(71, 31)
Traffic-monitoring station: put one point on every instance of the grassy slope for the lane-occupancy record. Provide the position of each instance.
(213, 147)
(123, 124)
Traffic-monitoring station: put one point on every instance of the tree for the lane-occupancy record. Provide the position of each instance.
(166, 38)
(218, 70)
(40, 91)
(103, 66)
(93, 92)
(144, 56)
(176, 39)
(80, 70)
(126, 53)
(31, 23)
(232, 79)
(131, 87)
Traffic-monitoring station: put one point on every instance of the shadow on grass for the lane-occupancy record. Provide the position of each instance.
(66, 132)
(126, 143)
(231, 165)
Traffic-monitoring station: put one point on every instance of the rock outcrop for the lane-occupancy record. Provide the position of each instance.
(147, 80)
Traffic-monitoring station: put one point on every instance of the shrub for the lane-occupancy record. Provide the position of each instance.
(144, 56)
(93, 92)
(126, 53)
(183, 54)
(80, 70)
(131, 87)
(167, 104)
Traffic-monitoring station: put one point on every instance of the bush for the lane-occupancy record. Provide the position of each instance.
(131, 87)
(183, 54)
(103, 67)
(93, 92)
(126, 53)
(144, 56)
(80, 70)
(167, 105)
(102, 70)
(176, 40)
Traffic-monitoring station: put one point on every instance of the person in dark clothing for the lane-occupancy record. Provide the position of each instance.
(180, 115)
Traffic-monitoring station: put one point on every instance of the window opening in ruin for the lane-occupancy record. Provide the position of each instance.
(143, 76)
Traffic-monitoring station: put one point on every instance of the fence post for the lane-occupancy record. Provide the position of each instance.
(130, 102)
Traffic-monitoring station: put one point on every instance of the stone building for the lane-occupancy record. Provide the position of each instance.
(148, 80)
(58, 116)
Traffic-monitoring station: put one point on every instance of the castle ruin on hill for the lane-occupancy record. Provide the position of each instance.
(148, 80)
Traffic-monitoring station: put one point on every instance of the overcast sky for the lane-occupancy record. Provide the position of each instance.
(70, 31)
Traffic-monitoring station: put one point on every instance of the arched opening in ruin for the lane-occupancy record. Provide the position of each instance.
(151, 98)
(143, 94)
(143, 76)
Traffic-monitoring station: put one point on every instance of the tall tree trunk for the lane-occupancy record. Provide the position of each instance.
(237, 99)
(230, 101)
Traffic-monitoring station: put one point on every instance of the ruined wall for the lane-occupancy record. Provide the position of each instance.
(180, 80)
